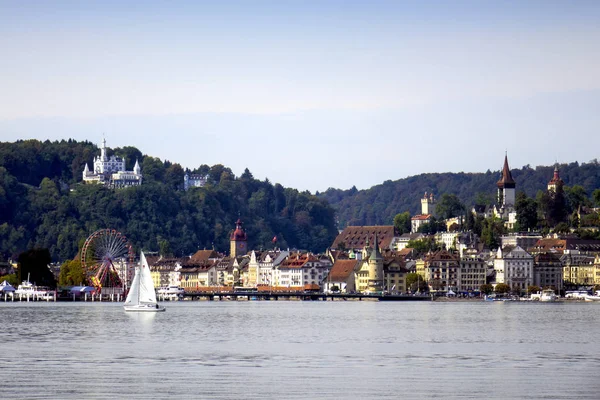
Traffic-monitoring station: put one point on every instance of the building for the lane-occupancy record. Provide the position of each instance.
(514, 267)
(442, 271)
(110, 171)
(238, 240)
(194, 180)
(523, 240)
(579, 269)
(505, 208)
(548, 271)
(427, 212)
(356, 237)
(342, 276)
(473, 273)
(555, 183)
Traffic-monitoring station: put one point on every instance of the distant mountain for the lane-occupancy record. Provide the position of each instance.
(44, 204)
(379, 204)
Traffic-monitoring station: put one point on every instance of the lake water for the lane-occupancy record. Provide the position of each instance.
(301, 350)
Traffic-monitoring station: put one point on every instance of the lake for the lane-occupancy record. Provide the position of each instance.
(301, 350)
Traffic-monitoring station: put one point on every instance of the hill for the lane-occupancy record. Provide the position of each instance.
(379, 204)
(44, 204)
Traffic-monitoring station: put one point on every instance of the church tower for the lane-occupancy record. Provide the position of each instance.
(555, 182)
(506, 187)
(238, 240)
(428, 204)
(253, 270)
(375, 282)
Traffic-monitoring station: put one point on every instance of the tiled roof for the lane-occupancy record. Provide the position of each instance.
(355, 237)
(341, 270)
(203, 255)
(421, 217)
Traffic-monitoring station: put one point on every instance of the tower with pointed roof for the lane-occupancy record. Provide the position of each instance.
(375, 282)
(110, 171)
(253, 270)
(238, 240)
(506, 187)
(555, 182)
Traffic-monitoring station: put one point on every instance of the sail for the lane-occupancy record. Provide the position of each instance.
(134, 291)
(147, 294)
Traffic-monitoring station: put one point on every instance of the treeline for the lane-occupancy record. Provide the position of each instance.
(379, 204)
(43, 204)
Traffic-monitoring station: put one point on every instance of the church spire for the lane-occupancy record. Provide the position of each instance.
(507, 181)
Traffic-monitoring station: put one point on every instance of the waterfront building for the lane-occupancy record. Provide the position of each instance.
(514, 267)
(375, 268)
(548, 271)
(110, 171)
(578, 268)
(194, 180)
(394, 275)
(442, 271)
(473, 273)
(342, 276)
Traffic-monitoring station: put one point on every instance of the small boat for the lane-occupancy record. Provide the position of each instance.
(594, 297)
(548, 296)
(171, 292)
(141, 296)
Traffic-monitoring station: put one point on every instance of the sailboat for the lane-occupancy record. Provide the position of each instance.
(141, 296)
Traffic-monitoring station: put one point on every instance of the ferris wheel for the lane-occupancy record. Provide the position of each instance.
(105, 257)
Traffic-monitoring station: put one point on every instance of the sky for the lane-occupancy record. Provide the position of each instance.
(309, 94)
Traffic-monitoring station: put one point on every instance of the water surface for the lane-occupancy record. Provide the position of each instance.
(301, 350)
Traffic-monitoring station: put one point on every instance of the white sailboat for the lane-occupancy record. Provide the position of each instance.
(141, 296)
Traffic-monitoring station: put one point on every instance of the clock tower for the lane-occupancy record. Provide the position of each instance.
(238, 241)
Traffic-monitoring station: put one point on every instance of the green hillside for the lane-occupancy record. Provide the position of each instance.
(379, 204)
(44, 204)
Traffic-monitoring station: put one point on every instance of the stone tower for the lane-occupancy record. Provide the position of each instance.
(375, 282)
(428, 204)
(238, 241)
(506, 187)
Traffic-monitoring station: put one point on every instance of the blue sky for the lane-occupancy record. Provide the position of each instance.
(309, 94)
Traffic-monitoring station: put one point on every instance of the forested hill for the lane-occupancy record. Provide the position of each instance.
(44, 204)
(379, 204)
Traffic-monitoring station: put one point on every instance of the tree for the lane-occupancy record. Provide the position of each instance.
(423, 246)
(526, 209)
(533, 289)
(486, 288)
(402, 222)
(34, 265)
(493, 229)
(502, 288)
(449, 206)
(71, 273)
(576, 196)
(415, 282)
(596, 197)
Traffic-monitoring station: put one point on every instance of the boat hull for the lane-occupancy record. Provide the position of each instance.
(144, 308)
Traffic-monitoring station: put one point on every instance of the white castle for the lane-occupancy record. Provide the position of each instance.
(111, 171)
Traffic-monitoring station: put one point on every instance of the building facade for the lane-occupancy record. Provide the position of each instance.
(110, 171)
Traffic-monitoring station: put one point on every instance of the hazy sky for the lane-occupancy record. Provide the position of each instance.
(309, 94)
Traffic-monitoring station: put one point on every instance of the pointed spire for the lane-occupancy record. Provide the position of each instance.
(375, 254)
(507, 181)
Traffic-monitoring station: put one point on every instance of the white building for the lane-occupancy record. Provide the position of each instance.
(111, 171)
(193, 180)
(514, 267)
